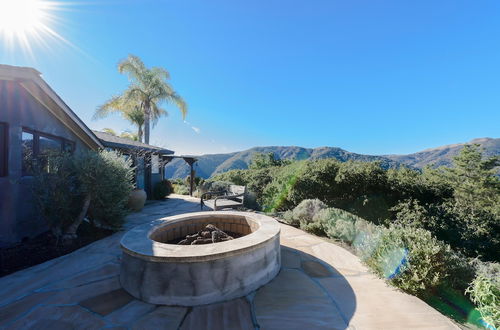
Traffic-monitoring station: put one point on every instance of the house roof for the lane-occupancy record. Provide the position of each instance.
(113, 141)
(31, 80)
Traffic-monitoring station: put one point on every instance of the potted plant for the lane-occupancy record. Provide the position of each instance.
(137, 199)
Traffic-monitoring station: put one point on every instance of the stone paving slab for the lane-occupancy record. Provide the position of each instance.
(107, 302)
(320, 286)
(58, 318)
(167, 318)
(290, 258)
(130, 312)
(294, 301)
(234, 314)
(16, 309)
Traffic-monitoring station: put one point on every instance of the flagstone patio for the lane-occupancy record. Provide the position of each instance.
(320, 286)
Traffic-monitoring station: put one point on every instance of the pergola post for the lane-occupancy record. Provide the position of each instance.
(191, 180)
(190, 161)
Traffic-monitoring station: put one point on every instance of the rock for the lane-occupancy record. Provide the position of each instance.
(202, 241)
(210, 234)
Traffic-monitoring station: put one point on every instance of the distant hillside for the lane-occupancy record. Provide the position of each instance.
(443, 156)
(209, 165)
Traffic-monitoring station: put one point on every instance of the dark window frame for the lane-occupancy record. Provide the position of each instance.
(36, 143)
(34, 147)
(4, 149)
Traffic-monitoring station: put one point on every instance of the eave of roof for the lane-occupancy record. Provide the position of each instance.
(116, 142)
(32, 82)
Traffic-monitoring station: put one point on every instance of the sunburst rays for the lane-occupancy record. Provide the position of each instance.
(26, 24)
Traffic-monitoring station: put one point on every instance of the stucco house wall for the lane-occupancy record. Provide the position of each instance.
(19, 109)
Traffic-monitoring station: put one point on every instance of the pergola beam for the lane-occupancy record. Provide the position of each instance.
(190, 161)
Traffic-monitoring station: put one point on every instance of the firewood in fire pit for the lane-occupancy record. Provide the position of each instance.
(210, 234)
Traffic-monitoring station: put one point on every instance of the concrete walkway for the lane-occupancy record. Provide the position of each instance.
(320, 286)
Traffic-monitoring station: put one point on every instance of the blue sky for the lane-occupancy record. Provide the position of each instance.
(372, 77)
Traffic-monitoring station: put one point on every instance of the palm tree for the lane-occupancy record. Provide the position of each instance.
(109, 131)
(124, 134)
(129, 135)
(148, 88)
(129, 109)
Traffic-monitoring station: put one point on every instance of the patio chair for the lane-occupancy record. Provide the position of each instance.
(233, 197)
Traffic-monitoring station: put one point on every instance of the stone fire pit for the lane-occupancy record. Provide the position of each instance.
(189, 275)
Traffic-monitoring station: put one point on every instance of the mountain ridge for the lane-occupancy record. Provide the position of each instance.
(211, 164)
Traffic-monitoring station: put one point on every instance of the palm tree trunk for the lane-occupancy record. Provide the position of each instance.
(147, 117)
(139, 133)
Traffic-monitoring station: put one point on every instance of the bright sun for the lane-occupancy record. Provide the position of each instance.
(24, 22)
(19, 17)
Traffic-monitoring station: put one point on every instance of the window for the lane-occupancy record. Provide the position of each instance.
(42, 147)
(28, 148)
(155, 164)
(4, 152)
(48, 147)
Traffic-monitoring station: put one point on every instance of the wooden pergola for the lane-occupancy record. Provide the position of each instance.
(190, 160)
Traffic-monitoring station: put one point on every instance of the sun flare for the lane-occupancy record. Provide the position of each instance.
(19, 17)
(25, 23)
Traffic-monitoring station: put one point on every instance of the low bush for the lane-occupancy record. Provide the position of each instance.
(58, 193)
(187, 181)
(92, 184)
(485, 292)
(337, 223)
(162, 189)
(367, 238)
(458, 205)
(214, 186)
(180, 189)
(106, 178)
(304, 212)
(412, 259)
(287, 217)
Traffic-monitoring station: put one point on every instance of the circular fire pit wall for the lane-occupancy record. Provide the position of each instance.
(189, 275)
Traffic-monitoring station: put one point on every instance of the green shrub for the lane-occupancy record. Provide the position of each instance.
(177, 181)
(485, 292)
(215, 186)
(304, 214)
(58, 193)
(459, 205)
(338, 224)
(162, 189)
(315, 228)
(341, 229)
(180, 189)
(367, 238)
(307, 209)
(288, 218)
(255, 181)
(92, 184)
(412, 259)
(475, 232)
(107, 177)
(301, 180)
